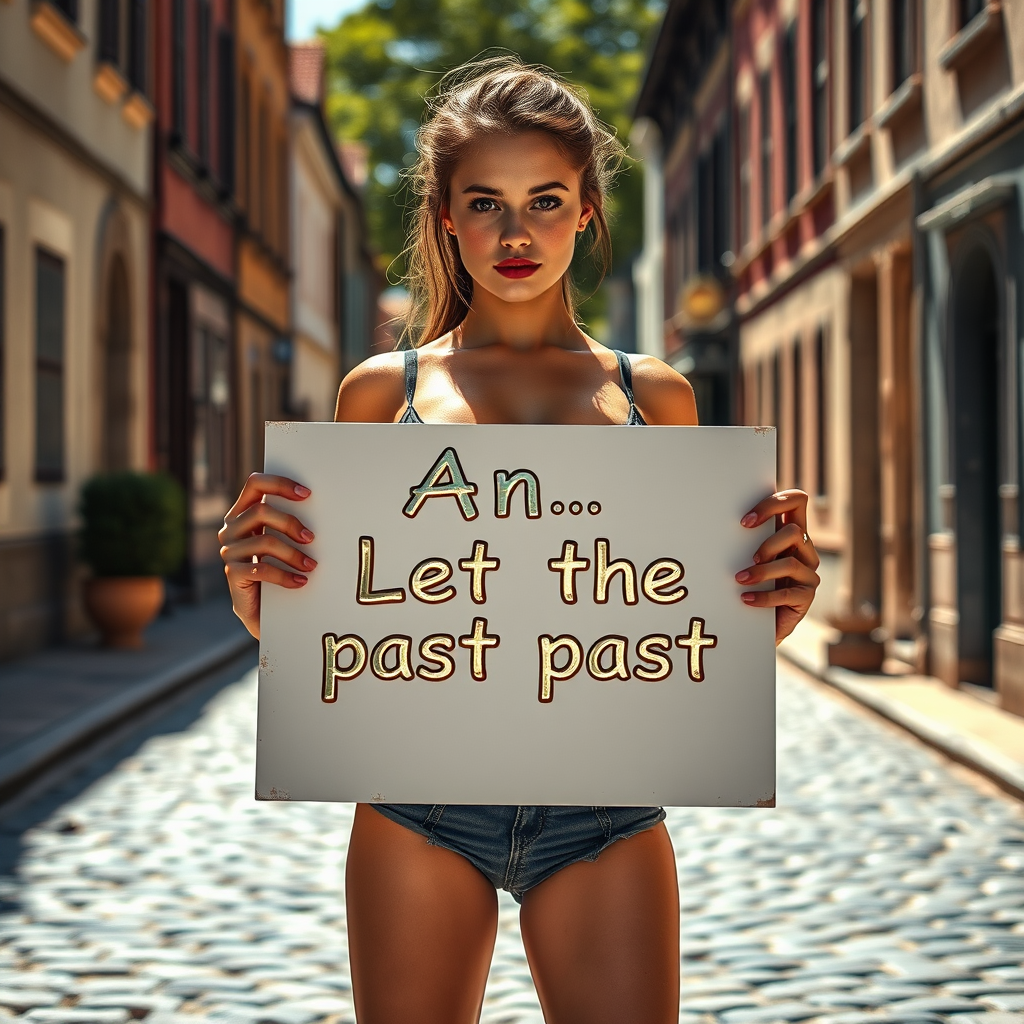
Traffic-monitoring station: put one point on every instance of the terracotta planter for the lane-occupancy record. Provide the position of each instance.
(123, 606)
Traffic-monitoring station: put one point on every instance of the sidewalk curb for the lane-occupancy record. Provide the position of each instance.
(982, 758)
(27, 758)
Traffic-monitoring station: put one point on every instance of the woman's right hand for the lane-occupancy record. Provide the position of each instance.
(244, 544)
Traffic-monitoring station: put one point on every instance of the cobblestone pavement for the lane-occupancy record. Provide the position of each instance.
(883, 888)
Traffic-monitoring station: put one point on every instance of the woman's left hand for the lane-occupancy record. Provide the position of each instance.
(787, 556)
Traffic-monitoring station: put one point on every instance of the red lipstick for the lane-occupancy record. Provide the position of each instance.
(515, 268)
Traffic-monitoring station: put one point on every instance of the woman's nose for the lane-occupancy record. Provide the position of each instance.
(514, 234)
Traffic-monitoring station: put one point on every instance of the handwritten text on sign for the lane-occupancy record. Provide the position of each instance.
(485, 591)
(429, 582)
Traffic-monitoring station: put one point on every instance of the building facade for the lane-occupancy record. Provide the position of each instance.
(969, 225)
(195, 278)
(334, 294)
(75, 372)
(877, 233)
(263, 337)
(684, 124)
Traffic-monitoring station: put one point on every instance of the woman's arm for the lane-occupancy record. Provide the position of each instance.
(373, 392)
(788, 556)
(662, 395)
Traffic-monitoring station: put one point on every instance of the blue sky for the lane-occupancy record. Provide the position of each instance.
(305, 15)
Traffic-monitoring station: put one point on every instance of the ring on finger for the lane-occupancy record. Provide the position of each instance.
(255, 564)
(807, 540)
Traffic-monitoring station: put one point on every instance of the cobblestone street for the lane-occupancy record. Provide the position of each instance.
(884, 887)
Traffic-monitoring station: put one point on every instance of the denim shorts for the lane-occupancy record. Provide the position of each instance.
(518, 847)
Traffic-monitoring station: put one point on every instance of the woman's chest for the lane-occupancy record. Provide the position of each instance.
(516, 395)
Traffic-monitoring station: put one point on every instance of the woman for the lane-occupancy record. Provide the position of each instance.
(513, 172)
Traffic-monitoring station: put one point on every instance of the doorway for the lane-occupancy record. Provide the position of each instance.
(975, 449)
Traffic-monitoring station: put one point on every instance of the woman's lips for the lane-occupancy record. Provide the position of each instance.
(516, 268)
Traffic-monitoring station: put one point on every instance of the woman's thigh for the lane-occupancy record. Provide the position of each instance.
(602, 937)
(421, 926)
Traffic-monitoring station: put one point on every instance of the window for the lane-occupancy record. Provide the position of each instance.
(819, 85)
(244, 143)
(857, 40)
(69, 8)
(789, 101)
(226, 109)
(122, 39)
(261, 199)
(712, 204)
(720, 225)
(211, 468)
(137, 38)
(821, 387)
(49, 367)
(282, 197)
(904, 41)
(969, 9)
(203, 77)
(3, 360)
(798, 415)
(109, 46)
(179, 97)
(705, 201)
(743, 131)
(766, 147)
(256, 415)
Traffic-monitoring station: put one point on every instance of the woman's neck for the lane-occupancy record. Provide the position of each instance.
(522, 326)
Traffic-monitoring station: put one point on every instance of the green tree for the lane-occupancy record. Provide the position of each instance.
(383, 58)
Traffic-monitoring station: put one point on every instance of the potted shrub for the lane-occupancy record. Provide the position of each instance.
(133, 534)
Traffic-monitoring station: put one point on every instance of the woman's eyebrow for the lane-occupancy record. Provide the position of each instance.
(487, 191)
(547, 187)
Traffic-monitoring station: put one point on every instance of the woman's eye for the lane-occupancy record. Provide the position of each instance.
(548, 203)
(483, 205)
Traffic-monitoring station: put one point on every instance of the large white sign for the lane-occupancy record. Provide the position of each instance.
(520, 615)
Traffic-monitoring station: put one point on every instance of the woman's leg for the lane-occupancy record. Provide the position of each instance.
(421, 927)
(602, 937)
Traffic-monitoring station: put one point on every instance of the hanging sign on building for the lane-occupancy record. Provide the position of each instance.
(520, 615)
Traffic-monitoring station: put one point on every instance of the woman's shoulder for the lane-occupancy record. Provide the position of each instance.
(664, 395)
(373, 391)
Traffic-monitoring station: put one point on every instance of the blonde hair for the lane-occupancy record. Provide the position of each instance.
(495, 96)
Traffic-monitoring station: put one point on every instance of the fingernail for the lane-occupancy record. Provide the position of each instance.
(308, 563)
(303, 580)
(748, 598)
(757, 559)
(302, 492)
(306, 536)
(750, 519)
(742, 576)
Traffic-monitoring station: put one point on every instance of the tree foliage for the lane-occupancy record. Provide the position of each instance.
(383, 58)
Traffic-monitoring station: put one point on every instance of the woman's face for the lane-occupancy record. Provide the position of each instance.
(515, 208)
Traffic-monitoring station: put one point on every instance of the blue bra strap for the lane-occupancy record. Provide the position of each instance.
(635, 419)
(411, 364)
(626, 373)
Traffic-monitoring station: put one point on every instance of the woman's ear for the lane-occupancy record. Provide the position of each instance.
(447, 221)
(585, 214)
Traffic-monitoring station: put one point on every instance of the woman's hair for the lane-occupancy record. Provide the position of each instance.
(495, 96)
